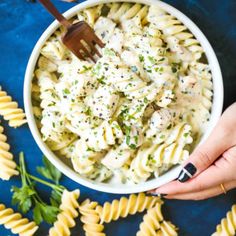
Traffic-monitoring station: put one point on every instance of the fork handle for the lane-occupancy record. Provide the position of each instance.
(52, 9)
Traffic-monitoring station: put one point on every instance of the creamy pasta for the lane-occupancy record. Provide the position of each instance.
(136, 112)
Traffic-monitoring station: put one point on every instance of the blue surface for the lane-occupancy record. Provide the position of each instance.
(22, 24)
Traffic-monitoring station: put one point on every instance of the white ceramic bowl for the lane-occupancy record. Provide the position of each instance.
(111, 188)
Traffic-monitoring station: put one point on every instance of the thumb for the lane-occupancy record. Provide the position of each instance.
(222, 138)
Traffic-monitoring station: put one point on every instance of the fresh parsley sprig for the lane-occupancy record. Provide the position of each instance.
(26, 197)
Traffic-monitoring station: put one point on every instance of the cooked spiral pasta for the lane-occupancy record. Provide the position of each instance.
(90, 219)
(122, 119)
(126, 206)
(125, 11)
(89, 15)
(176, 34)
(54, 131)
(54, 50)
(10, 111)
(16, 223)
(168, 151)
(65, 219)
(227, 227)
(122, 77)
(101, 137)
(202, 72)
(153, 224)
(7, 164)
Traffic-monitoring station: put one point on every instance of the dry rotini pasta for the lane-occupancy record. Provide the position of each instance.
(227, 227)
(7, 164)
(126, 206)
(90, 218)
(16, 223)
(153, 224)
(65, 219)
(10, 111)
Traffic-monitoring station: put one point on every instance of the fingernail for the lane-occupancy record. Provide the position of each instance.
(187, 172)
(156, 194)
(152, 194)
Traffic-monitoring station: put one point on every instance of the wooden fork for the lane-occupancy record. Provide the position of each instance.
(79, 38)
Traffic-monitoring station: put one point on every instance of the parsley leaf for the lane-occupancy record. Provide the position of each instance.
(45, 212)
(55, 198)
(22, 196)
(49, 171)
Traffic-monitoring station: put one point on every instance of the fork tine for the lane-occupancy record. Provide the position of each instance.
(96, 51)
(98, 41)
(93, 48)
(79, 55)
(87, 52)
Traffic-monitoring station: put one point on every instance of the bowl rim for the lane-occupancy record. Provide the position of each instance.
(116, 188)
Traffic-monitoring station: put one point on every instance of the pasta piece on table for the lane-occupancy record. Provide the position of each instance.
(16, 223)
(10, 111)
(153, 224)
(7, 164)
(125, 206)
(227, 227)
(90, 219)
(65, 219)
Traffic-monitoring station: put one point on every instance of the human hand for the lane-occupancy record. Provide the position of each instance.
(210, 166)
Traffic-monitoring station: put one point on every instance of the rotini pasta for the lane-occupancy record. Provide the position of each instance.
(7, 164)
(227, 227)
(10, 111)
(69, 211)
(153, 224)
(90, 219)
(126, 206)
(179, 39)
(100, 138)
(145, 93)
(16, 223)
(168, 151)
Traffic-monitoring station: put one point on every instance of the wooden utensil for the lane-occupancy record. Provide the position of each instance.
(79, 38)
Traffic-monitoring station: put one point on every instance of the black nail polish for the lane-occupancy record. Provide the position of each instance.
(156, 194)
(153, 194)
(187, 172)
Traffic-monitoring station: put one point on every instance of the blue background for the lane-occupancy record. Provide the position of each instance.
(21, 25)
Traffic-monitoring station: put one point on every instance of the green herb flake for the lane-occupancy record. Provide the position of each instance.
(162, 136)
(152, 59)
(66, 91)
(141, 58)
(132, 146)
(186, 135)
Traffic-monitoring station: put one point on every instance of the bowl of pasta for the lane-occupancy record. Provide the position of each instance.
(125, 123)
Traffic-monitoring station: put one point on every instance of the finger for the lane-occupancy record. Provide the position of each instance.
(207, 193)
(222, 171)
(221, 139)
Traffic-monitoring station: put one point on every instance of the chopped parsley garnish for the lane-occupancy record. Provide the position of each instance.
(66, 91)
(186, 135)
(141, 58)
